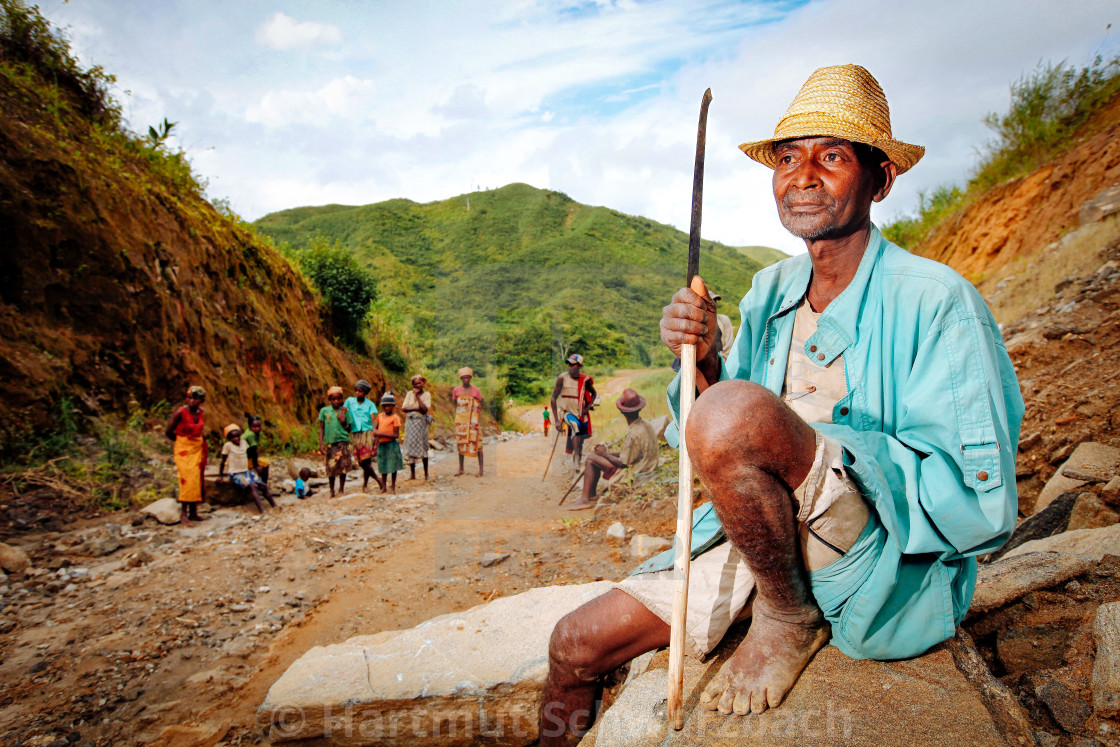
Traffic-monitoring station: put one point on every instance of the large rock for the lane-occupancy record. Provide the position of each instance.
(1087, 459)
(464, 678)
(13, 559)
(643, 545)
(1106, 666)
(1009, 579)
(1103, 205)
(1094, 542)
(836, 701)
(1044, 523)
(165, 510)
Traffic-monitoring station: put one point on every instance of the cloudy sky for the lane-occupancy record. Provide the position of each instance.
(282, 103)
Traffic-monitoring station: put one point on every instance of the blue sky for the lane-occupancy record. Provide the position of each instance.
(286, 103)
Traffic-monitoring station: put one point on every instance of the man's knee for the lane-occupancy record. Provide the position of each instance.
(739, 423)
(572, 650)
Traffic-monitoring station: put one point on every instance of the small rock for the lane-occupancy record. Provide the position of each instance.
(435, 446)
(1106, 667)
(1026, 443)
(1090, 512)
(13, 559)
(104, 544)
(643, 545)
(165, 510)
(1068, 710)
(1111, 491)
(264, 590)
(617, 530)
(239, 607)
(492, 558)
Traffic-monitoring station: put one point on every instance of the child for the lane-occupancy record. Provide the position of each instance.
(335, 424)
(362, 441)
(388, 448)
(234, 451)
(252, 442)
(302, 491)
(547, 421)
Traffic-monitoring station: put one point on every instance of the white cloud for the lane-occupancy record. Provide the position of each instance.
(283, 32)
(342, 98)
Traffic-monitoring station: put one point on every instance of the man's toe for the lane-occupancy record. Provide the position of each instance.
(742, 703)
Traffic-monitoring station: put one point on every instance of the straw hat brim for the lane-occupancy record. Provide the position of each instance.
(903, 154)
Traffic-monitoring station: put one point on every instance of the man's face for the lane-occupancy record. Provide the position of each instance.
(573, 370)
(822, 190)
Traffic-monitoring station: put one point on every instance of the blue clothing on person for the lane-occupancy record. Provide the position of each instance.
(930, 429)
(363, 413)
(301, 488)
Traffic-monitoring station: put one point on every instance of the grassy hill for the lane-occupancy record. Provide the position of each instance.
(489, 278)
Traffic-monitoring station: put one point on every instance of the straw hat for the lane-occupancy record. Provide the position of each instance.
(465, 371)
(230, 429)
(842, 101)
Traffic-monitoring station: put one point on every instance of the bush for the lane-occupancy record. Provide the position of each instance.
(346, 287)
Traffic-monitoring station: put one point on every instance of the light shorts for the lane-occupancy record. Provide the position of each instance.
(840, 542)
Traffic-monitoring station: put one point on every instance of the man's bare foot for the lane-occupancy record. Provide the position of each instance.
(460, 472)
(766, 664)
(185, 520)
(479, 474)
(581, 505)
(200, 518)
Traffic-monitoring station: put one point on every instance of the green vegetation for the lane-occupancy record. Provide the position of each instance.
(1049, 107)
(510, 281)
(346, 287)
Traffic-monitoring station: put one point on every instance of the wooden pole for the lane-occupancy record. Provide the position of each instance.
(683, 547)
(551, 454)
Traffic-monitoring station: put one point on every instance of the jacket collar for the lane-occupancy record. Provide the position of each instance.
(836, 328)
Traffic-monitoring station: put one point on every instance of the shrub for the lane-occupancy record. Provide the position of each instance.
(346, 287)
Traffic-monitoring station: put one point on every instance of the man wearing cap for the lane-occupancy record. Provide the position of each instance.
(571, 406)
(858, 444)
(639, 451)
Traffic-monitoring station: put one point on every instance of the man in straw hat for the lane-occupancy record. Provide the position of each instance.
(638, 452)
(858, 444)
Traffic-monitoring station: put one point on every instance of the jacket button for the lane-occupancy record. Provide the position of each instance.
(981, 476)
(843, 410)
(812, 348)
(771, 361)
(820, 356)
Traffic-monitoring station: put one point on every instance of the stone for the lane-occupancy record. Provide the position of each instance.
(617, 530)
(1028, 442)
(1048, 521)
(1103, 205)
(659, 426)
(836, 701)
(102, 544)
(1011, 719)
(1094, 542)
(1106, 666)
(1012, 577)
(471, 677)
(13, 559)
(1088, 458)
(165, 510)
(1110, 493)
(1090, 512)
(643, 545)
(492, 558)
(435, 445)
(1068, 710)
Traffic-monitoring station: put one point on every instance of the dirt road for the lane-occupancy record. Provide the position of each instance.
(175, 636)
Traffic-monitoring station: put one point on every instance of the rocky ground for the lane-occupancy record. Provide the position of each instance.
(125, 631)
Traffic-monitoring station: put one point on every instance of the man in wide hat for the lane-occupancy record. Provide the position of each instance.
(638, 452)
(858, 444)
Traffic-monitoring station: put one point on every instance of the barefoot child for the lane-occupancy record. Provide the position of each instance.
(252, 439)
(302, 491)
(234, 451)
(335, 424)
(388, 434)
(362, 441)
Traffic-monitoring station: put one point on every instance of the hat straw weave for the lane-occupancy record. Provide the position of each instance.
(843, 101)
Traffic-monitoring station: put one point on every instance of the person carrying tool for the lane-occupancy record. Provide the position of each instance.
(858, 444)
(571, 406)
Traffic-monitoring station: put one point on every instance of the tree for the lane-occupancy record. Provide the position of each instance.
(346, 287)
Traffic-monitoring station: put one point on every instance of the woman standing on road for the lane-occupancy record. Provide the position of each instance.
(468, 418)
(417, 407)
(185, 428)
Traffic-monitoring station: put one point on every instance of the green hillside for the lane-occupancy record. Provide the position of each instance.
(509, 280)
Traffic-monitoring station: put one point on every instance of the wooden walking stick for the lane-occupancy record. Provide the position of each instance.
(551, 454)
(683, 547)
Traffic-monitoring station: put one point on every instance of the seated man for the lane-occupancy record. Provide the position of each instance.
(639, 451)
(858, 444)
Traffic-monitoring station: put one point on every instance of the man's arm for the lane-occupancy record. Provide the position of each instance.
(556, 389)
(173, 423)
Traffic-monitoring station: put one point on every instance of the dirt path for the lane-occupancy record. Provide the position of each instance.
(175, 636)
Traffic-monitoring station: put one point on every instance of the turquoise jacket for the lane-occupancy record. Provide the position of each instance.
(930, 430)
